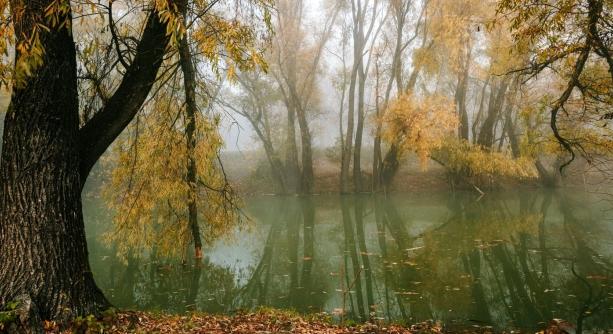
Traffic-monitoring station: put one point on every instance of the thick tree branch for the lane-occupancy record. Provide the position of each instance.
(114, 36)
(595, 14)
(97, 134)
(572, 83)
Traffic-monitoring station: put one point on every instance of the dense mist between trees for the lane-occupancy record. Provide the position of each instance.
(152, 130)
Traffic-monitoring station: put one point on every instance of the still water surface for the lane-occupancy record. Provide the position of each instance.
(506, 260)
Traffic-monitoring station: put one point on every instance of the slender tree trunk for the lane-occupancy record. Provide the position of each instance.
(277, 168)
(357, 149)
(497, 97)
(391, 162)
(189, 83)
(307, 176)
(293, 174)
(510, 132)
(390, 166)
(43, 250)
(460, 98)
(480, 111)
(377, 153)
(261, 126)
(291, 154)
(378, 162)
(272, 154)
(348, 147)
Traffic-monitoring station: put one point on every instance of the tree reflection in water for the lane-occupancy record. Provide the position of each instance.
(503, 260)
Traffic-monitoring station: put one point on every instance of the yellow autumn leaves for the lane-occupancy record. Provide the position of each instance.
(148, 191)
(426, 126)
(463, 158)
(419, 124)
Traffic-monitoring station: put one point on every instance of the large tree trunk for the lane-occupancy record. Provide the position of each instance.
(43, 250)
(45, 161)
(189, 84)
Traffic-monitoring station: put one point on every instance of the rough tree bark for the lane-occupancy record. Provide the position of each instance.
(45, 161)
(43, 251)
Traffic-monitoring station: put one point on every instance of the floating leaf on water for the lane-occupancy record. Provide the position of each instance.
(407, 293)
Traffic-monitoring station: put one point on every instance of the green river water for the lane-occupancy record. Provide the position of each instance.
(504, 260)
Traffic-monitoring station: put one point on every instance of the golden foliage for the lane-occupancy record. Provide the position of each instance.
(463, 158)
(567, 41)
(419, 125)
(263, 320)
(453, 26)
(232, 38)
(148, 191)
(582, 125)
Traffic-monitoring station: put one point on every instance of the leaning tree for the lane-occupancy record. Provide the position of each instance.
(47, 153)
(569, 42)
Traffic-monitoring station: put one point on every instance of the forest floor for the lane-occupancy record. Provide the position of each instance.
(249, 179)
(249, 175)
(262, 322)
